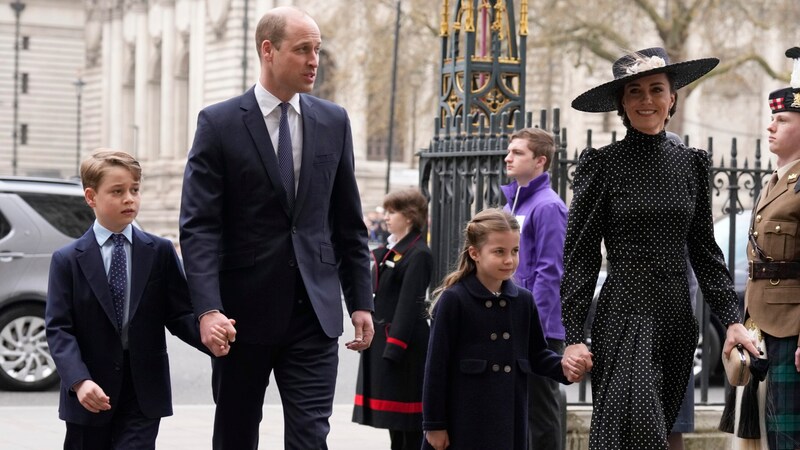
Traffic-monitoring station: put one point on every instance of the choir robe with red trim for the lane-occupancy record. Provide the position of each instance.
(389, 387)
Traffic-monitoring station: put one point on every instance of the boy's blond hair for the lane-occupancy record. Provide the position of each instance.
(95, 166)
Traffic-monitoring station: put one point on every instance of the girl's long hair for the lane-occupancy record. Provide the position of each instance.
(476, 233)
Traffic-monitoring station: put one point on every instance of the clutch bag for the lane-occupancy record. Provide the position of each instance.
(737, 366)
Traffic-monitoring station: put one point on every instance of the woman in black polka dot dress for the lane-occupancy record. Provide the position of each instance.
(648, 198)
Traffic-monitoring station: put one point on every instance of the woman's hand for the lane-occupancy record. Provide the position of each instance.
(577, 361)
(438, 439)
(737, 334)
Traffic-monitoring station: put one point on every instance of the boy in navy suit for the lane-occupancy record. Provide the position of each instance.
(110, 294)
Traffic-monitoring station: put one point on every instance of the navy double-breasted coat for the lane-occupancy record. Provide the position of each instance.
(481, 351)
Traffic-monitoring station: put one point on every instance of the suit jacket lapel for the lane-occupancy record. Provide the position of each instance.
(254, 122)
(142, 256)
(91, 263)
(309, 117)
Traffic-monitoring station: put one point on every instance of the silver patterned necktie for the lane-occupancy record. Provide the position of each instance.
(118, 277)
(285, 157)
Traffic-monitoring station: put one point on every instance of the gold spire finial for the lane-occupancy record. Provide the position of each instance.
(443, 27)
(523, 18)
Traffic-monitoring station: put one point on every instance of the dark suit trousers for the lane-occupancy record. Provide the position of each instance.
(305, 366)
(546, 427)
(129, 429)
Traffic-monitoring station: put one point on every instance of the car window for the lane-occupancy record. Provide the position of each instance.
(68, 214)
(722, 236)
(5, 226)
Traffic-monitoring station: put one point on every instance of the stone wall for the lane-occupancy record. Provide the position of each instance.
(705, 436)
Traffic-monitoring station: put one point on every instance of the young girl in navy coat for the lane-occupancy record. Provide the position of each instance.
(486, 339)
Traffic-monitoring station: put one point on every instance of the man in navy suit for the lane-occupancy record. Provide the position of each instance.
(271, 228)
(110, 294)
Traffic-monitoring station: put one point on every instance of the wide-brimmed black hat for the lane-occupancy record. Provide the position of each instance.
(649, 61)
(788, 98)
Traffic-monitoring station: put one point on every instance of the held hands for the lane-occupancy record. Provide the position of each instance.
(738, 334)
(92, 396)
(362, 322)
(217, 332)
(438, 439)
(577, 362)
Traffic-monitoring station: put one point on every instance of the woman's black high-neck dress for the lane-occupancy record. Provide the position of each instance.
(648, 198)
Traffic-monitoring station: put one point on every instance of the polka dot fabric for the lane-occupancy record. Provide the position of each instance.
(118, 277)
(649, 200)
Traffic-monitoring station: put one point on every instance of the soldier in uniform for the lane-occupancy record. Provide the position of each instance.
(772, 298)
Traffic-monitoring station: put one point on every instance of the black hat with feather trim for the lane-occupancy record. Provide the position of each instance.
(649, 61)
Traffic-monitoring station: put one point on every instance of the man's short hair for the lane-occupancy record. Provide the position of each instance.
(95, 166)
(540, 142)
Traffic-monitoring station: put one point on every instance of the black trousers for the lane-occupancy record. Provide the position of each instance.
(305, 366)
(129, 429)
(546, 407)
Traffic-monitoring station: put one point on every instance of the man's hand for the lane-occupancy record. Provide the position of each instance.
(217, 332)
(797, 359)
(92, 396)
(362, 322)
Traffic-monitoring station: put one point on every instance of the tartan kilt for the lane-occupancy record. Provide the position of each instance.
(783, 394)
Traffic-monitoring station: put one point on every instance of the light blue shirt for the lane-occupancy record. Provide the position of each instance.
(270, 109)
(103, 236)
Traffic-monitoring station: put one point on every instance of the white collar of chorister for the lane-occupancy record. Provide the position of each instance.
(267, 102)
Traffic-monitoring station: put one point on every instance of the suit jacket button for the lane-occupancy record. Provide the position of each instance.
(507, 369)
(506, 335)
(294, 230)
(493, 336)
(503, 303)
(292, 262)
(495, 367)
(488, 303)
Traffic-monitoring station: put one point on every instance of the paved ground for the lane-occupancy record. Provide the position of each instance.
(38, 428)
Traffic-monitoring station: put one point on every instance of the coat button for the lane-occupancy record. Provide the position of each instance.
(753, 252)
(755, 234)
(758, 218)
(292, 262)
(506, 335)
(488, 303)
(294, 230)
(503, 303)
(778, 228)
(495, 367)
(493, 336)
(507, 369)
